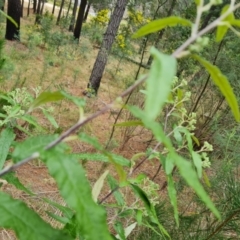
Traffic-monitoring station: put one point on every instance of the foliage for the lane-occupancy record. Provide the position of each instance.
(166, 115)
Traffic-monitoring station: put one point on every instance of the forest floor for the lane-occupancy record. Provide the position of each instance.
(30, 68)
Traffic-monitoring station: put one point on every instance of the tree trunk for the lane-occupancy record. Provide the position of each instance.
(28, 10)
(69, 6)
(109, 37)
(87, 12)
(38, 12)
(14, 10)
(22, 8)
(42, 7)
(54, 5)
(71, 27)
(34, 5)
(78, 27)
(60, 12)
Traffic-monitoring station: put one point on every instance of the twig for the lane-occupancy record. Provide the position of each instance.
(72, 129)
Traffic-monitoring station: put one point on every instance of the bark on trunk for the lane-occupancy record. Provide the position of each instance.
(87, 12)
(71, 27)
(78, 27)
(14, 11)
(60, 11)
(69, 6)
(109, 37)
(54, 5)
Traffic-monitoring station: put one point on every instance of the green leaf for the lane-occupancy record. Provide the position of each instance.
(159, 82)
(129, 229)
(58, 218)
(50, 118)
(129, 124)
(197, 160)
(190, 176)
(67, 212)
(6, 138)
(103, 158)
(98, 186)
(25, 222)
(113, 185)
(91, 140)
(155, 127)
(30, 146)
(222, 30)
(75, 189)
(9, 18)
(31, 120)
(80, 102)
(149, 207)
(157, 25)
(169, 164)
(222, 82)
(46, 97)
(173, 197)
(120, 230)
(12, 179)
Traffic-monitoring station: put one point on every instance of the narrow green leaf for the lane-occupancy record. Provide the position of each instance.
(172, 193)
(129, 124)
(13, 179)
(190, 176)
(235, 22)
(222, 82)
(58, 218)
(169, 164)
(80, 102)
(50, 118)
(66, 211)
(222, 30)
(103, 158)
(120, 230)
(75, 189)
(6, 138)
(157, 25)
(149, 207)
(31, 120)
(9, 18)
(113, 185)
(197, 160)
(98, 186)
(129, 229)
(46, 97)
(25, 222)
(159, 82)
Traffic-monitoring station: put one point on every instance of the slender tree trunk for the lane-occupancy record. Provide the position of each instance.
(60, 11)
(22, 8)
(34, 5)
(54, 5)
(38, 12)
(14, 10)
(87, 12)
(160, 34)
(69, 6)
(42, 7)
(78, 27)
(28, 11)
(109, 37)
(71, 27)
